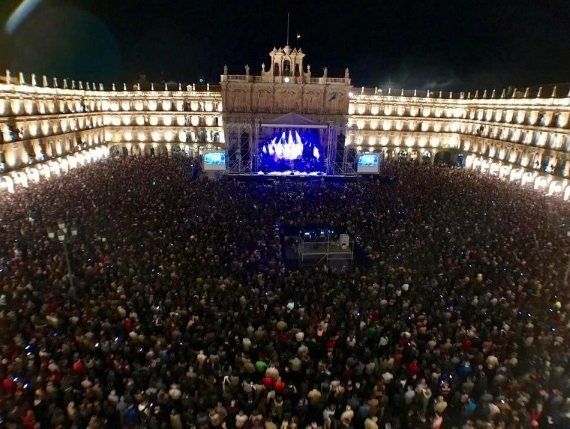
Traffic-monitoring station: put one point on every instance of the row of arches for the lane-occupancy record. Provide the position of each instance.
(530, 137)
(540, 160)
(520, 116)
(404, 139)
(33, 174)
(406, 110)
(11, 131)
(539, 157)
(39, 150)
(165, 104)
(160, 149)
(52, 106)
(48, 106)
(199, 135)
(425, 156)
(544, 183)
(212, 120)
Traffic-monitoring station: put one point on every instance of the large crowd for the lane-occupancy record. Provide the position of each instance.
(179, 312)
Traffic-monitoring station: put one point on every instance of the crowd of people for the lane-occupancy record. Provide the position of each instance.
(178, 311)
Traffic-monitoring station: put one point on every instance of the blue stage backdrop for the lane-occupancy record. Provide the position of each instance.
(292, 150)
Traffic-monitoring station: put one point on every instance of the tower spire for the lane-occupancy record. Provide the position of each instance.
(288, 19)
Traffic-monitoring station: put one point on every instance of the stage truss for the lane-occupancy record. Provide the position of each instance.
(243, 142)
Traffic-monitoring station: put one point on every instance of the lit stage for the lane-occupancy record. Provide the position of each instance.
(291, 173)
(293, 145)
(288, 145)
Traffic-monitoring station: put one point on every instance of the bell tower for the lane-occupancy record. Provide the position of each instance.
(286, 65)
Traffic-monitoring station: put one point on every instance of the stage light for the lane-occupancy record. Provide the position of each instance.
(286, 80)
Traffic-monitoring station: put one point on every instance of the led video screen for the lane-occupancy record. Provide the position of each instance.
(214, 161)
(368, 163)
(291, 150)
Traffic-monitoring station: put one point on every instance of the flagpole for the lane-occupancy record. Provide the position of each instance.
(288, 14)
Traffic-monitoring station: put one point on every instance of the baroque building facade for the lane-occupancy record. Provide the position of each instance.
(49, 127)
(286, 87)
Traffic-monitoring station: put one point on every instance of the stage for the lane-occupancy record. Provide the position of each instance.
(250, 177)
(289, 145)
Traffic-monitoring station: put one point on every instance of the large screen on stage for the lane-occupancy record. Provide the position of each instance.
(291, 150)
(214, 161)
(368, 163)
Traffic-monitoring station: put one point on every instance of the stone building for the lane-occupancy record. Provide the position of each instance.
(287, 86)
(518, 135)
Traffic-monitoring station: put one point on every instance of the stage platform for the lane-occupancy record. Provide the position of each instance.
(290, 173)
(313, 253)
(281, 177)
(316, 245)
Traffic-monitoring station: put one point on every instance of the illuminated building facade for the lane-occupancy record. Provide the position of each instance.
(518, 135)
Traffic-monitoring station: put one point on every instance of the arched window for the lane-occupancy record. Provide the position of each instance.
(286, 68)
(559, 168)
(276, 69)
(546, 167)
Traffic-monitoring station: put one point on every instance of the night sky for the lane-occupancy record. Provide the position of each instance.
(454, 44)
